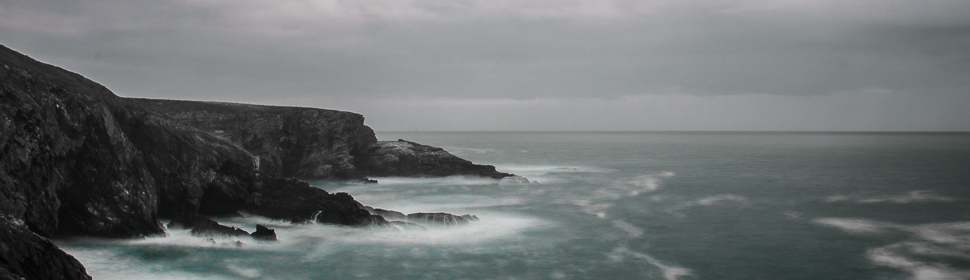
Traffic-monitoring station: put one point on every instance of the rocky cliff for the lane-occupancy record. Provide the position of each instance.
(75, 159)
(311, 143)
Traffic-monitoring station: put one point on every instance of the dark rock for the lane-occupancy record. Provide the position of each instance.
(26, 255)
(313, 143)
(75, 159)
(390, 215)
(440, 219)
(410, 159)
(264, 233)
(305, 143)
(203, 226)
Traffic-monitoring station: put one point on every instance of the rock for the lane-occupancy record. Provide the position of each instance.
(304, 143)
(410, 159)
(26, 255)
(205, 227)
(75, 159)
(310, 143)
(264, 233)
(444, 219)
(390, 215)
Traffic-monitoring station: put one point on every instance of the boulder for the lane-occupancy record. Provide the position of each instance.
(264, 233)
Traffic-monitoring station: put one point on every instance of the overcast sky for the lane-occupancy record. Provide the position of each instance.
(529, 65)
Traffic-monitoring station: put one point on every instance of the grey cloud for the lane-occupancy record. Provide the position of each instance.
(251, 51)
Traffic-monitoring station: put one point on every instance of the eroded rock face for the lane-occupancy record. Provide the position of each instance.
(435, 219)
(304, 143)
(77, 160)
(26, 255)
(310, 143)
(410, 159)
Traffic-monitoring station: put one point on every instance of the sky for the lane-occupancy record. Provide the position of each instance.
(785, 65)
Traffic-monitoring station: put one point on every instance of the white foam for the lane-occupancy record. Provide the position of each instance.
(711, 200)
(106, 264)
(629, 228)
(910, 197)
(852, 225)
(670, 272)
(492, 226)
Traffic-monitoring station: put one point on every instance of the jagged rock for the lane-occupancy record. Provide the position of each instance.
(305, 143)
(440, 219)
(203, 226)
(410, 159)
(264, 233)
(75, 159)
(313, 143)
(26, 255)
(390, 215)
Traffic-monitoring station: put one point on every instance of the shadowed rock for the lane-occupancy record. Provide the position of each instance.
(202, 226)
(410, 159)
(26, 255)
(264, 233)
(75, 159)
(311, 143)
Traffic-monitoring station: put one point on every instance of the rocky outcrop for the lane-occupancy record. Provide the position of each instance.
(77, 160)
(434, 219)
(205, 227)
(410, 159)
(313, 143)
(264, 233)
(295, 142)
(26, 255)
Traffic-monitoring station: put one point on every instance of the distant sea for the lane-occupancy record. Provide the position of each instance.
(621, 205)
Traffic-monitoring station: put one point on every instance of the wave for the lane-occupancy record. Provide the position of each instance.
(854, 225)
(629, 228)
(669, 272)
(928, 254)
(921, 196)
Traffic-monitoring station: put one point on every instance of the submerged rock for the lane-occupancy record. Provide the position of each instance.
(264, 233)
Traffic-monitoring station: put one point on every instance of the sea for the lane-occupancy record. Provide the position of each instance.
(619, 205)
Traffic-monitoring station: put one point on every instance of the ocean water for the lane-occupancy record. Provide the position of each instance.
(621, 205)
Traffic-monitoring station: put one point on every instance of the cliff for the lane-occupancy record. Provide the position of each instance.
(311, 143)
(75, 159)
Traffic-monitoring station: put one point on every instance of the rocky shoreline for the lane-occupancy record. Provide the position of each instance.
(77, 160)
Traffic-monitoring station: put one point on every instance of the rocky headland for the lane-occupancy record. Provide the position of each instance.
(77, 160)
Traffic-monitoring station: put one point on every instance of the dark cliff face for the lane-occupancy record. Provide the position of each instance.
(77, 160)
(406, 158)
(295, 142)
(313, 143)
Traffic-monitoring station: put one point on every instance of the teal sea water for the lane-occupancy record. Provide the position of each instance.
(622, 205)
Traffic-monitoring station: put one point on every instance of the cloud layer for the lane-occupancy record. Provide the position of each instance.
(356, 53)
